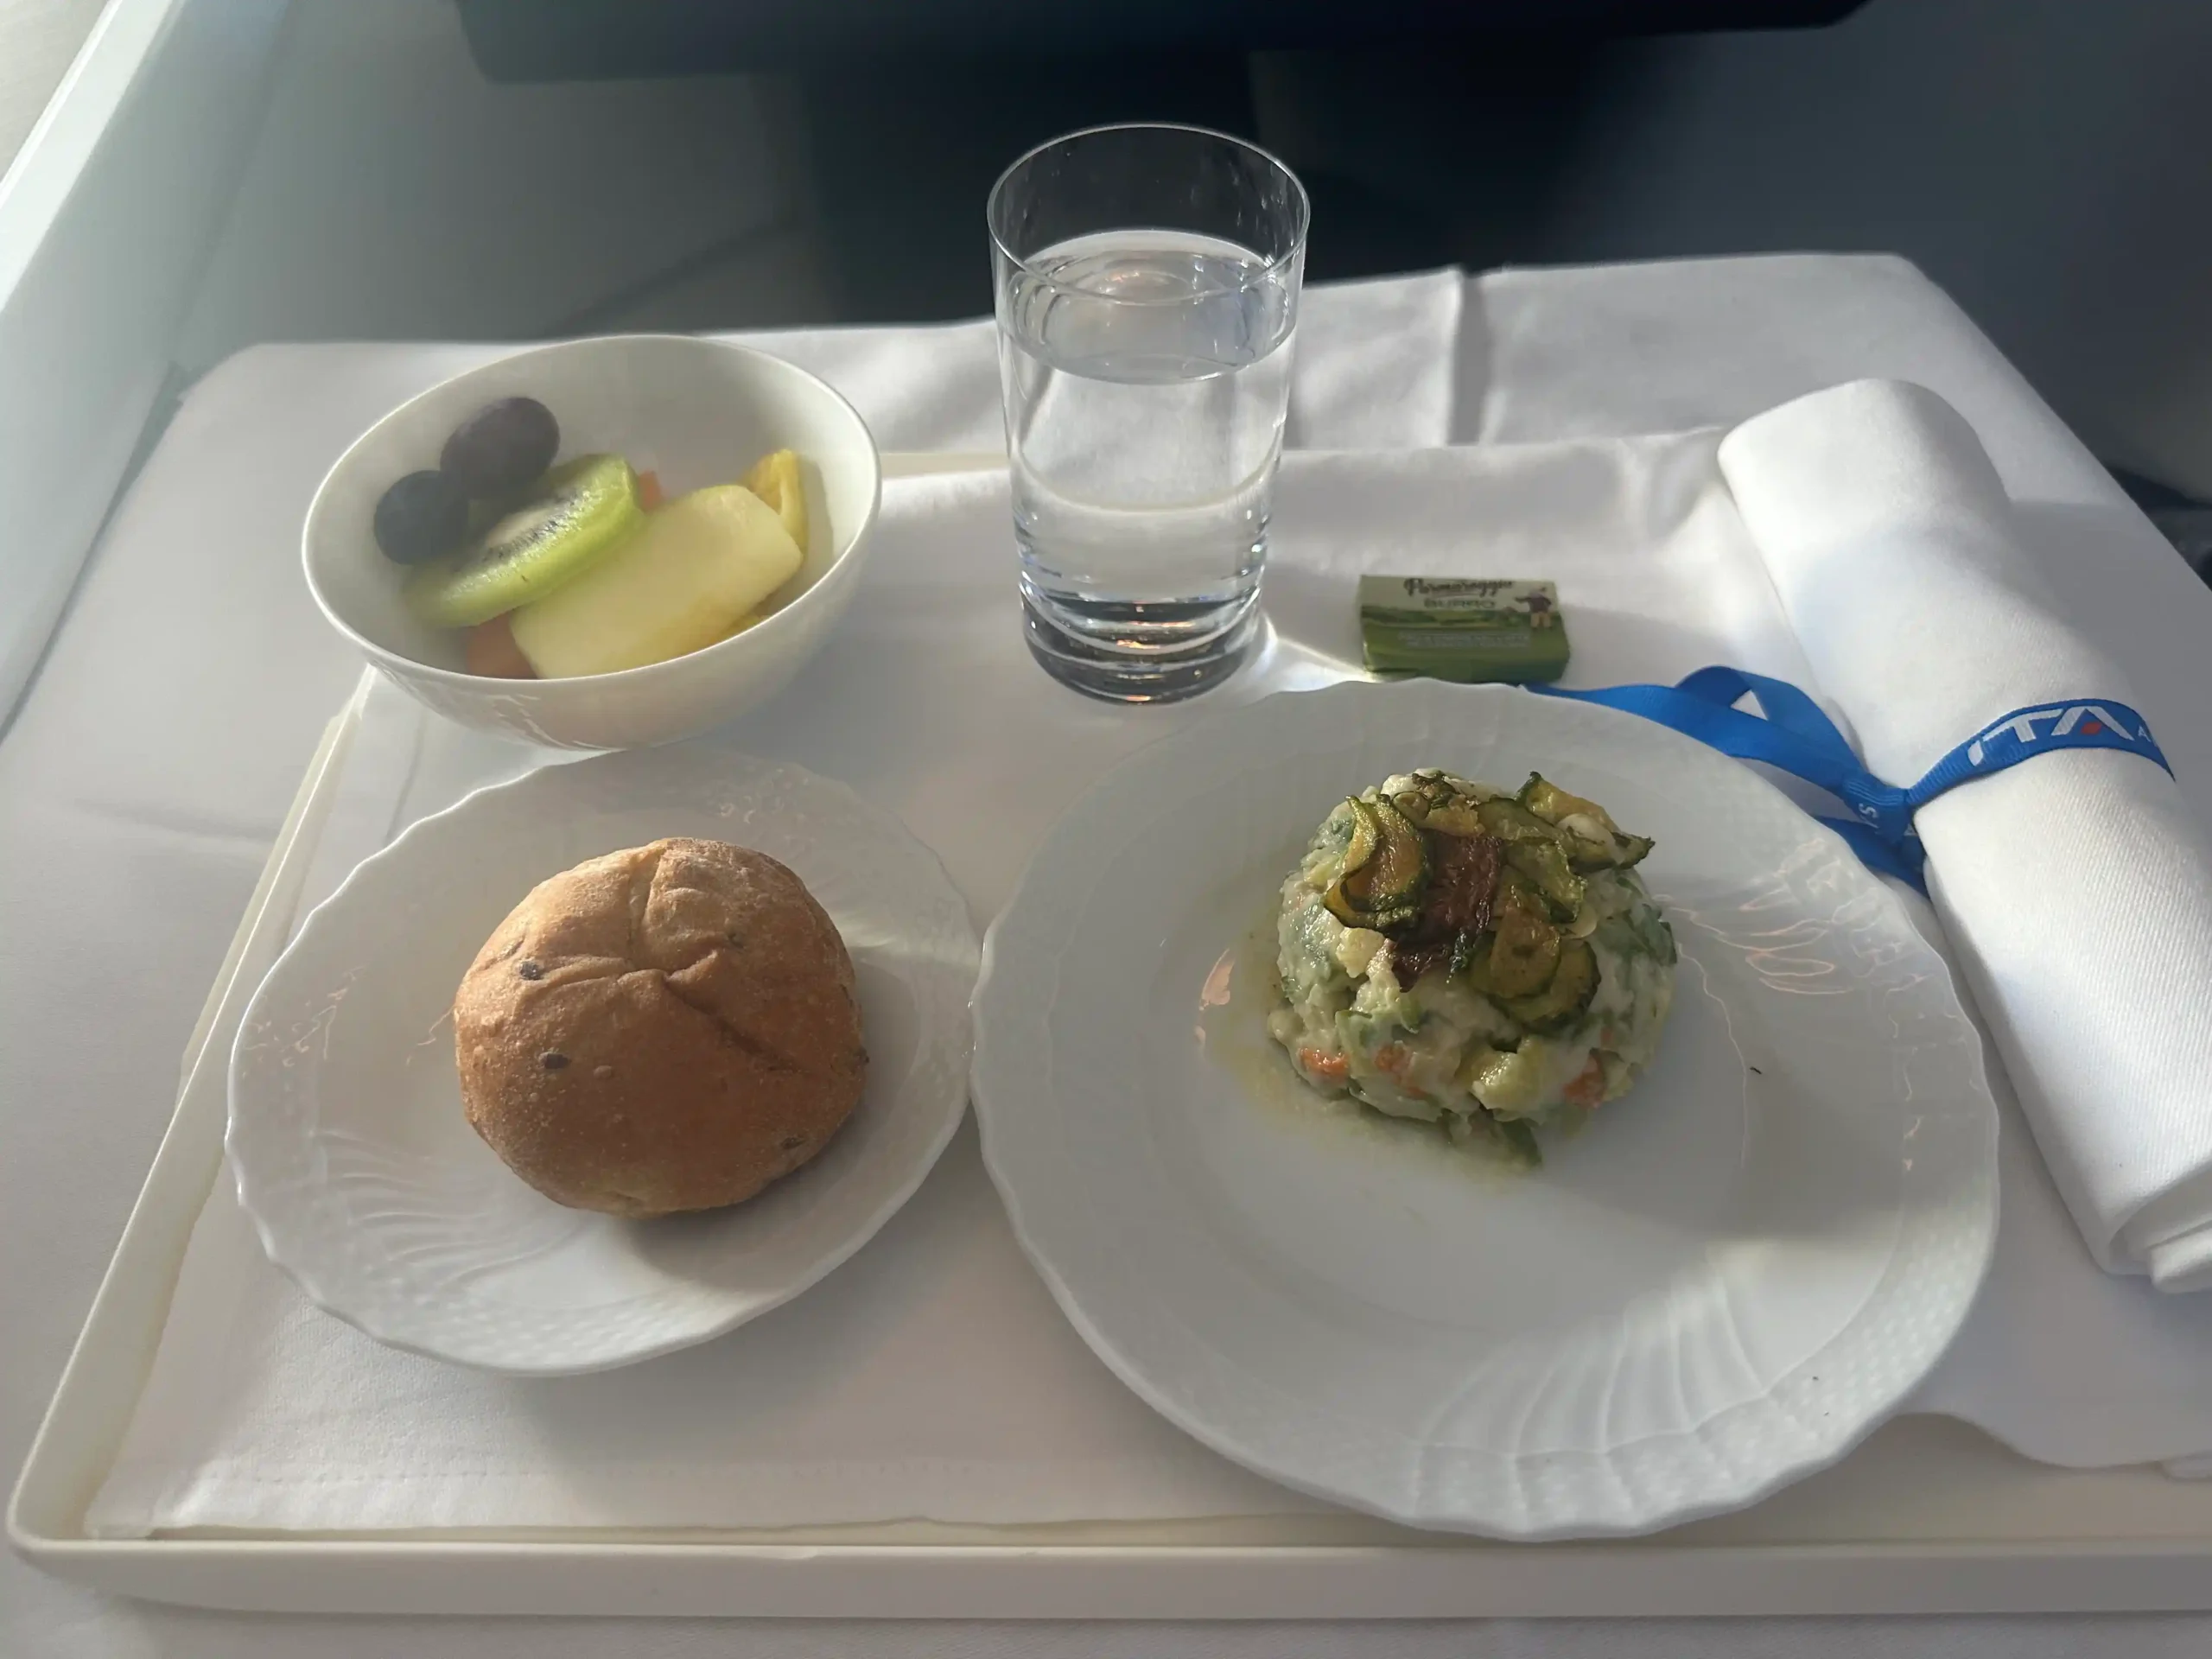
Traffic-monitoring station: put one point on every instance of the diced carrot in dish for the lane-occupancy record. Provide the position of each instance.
(1314, 1063)
(1589, 1085)
(649, 495)
(491, 651)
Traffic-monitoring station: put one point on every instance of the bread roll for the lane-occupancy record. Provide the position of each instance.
(668, 1028)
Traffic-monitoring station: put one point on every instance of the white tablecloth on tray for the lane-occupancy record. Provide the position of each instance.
(132, 818)
(973, 1402)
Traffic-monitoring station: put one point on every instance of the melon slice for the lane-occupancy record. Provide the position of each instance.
(699, 565)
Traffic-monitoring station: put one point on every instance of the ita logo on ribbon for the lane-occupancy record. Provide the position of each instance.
(2085, 720)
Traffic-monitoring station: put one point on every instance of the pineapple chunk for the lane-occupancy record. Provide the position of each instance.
(775, 480)
(698, 565)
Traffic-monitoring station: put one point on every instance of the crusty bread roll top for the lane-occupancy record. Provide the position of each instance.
(667, 1028)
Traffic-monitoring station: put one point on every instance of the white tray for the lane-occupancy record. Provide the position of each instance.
(1930, 1516)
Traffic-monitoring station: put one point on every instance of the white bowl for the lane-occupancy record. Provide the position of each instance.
(697, 412)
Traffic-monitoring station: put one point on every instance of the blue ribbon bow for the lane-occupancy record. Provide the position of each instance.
(1795, 736)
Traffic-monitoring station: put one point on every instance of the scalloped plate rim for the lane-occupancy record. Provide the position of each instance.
(1980, 1182)
(331, 1302)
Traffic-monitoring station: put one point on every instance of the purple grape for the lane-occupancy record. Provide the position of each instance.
(423, 516)
(501, 447)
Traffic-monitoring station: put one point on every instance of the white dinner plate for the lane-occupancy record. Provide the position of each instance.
(369, 1187)
(1722, 1285)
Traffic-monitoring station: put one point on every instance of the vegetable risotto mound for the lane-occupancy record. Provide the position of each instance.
(1488, 961)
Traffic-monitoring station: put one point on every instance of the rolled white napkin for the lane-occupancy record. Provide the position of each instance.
(2078, 885)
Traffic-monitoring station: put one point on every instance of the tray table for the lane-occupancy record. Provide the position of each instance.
(1928, 1516)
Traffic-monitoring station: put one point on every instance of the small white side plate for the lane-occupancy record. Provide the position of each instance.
(367, 1185)
(1731, 1276)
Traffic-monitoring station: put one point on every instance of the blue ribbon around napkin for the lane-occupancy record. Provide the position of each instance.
(1795, 736)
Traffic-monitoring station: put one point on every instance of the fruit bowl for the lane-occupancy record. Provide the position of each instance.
(697, 412)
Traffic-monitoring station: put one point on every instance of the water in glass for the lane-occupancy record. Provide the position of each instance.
(1147, 374)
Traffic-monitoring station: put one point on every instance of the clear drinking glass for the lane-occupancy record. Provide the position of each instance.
(1147, 291)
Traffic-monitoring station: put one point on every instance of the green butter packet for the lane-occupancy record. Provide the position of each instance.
(1450, 628)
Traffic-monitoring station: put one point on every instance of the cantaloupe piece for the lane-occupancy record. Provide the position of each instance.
(702, 562)
(490, 650)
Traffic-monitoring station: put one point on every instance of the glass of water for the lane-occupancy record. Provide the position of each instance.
(1147, 288)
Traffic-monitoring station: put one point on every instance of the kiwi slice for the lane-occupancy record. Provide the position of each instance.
(584, 510)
